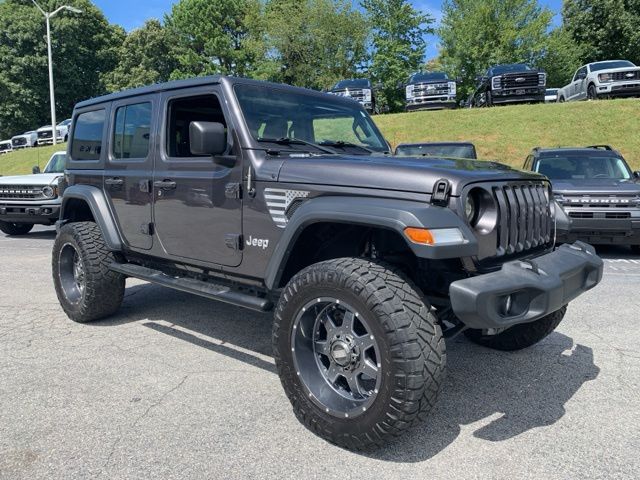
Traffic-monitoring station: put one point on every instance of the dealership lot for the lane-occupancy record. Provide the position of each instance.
(176, 386)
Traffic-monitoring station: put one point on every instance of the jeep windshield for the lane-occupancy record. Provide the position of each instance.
(596, 67)
(514, 68)
(56, 164)
(308, 122)
(450, 150)
(579, 166)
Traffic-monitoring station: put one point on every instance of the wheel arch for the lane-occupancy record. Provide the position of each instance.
(361, 216)
(82, 203)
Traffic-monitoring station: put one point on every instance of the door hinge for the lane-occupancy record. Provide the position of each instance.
(233, 241)
(147, 228)
(233, 190)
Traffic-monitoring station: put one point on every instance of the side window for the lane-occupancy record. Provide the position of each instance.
(183, 111)
(131, 132)
(580, 74)
(86, 143)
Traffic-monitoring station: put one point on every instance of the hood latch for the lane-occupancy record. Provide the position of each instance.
(441, 193)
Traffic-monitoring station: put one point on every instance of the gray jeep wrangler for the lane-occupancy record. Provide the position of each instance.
(272, 197)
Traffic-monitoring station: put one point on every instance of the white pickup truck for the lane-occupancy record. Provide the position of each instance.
(611, 78)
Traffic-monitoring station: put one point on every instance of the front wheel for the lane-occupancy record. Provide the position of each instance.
(11, 228)
(358, 351)
(86, 287)
(592, 94)
(519, 336)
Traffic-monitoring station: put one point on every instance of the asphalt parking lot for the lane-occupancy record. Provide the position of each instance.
(176, 386)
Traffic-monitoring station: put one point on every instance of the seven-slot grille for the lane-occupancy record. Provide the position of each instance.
(524, 216)
(21, 192)
(621, 76)
(520, 80)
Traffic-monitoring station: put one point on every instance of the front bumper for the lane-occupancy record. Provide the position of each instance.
(619, 89)
(518, 95)
(535, 288)
(435, 102)
(24, 213)
(595, 227)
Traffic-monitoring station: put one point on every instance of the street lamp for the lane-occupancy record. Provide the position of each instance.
(48, 16)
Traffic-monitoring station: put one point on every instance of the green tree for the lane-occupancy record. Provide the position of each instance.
(212, 36)
(604, 29)
(475, 35)
(145, 57)
(314, 43)
(398, 43)
(84, 50)
(562, 57)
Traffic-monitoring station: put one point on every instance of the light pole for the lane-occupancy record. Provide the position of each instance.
(52, 97)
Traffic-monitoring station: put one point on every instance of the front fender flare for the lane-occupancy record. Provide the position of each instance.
(391, 214)
(95, 199)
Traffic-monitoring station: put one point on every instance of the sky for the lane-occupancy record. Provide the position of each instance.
(132, 13)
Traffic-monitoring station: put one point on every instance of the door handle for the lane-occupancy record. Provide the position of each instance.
(114, 182)
(165, 184)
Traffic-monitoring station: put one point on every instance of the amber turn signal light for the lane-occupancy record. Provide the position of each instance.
(419, 235)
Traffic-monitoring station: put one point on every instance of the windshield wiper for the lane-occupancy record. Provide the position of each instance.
(343, 144)
(296, 141)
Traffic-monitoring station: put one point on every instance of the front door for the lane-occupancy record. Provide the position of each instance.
(197, 215)
(127, 180)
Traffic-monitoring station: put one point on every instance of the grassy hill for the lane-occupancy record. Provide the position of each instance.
(506, 134)
(22, 161)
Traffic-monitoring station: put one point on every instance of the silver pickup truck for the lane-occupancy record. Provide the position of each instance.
(611, 78)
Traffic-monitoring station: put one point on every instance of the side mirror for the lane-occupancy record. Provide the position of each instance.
(458, 80)
(35, 170)
(636, 174)
(207, 138)
(400, 85)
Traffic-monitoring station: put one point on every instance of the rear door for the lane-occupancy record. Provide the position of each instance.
(197, 205)
(128, 172)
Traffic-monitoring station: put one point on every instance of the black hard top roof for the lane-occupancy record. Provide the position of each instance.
(193, 82)
(438, 144)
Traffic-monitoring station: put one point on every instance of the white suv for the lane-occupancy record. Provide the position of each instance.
(611, 78)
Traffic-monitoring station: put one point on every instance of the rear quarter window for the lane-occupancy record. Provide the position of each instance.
(86, 143)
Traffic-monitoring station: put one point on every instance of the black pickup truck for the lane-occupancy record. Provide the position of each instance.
(512, 83)
(271, 197)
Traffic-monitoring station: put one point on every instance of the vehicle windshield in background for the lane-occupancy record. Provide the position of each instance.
(56, 164)
(452, 151)
(428, 77)
(355, 83)
(581, 167)
(516, 67)
(596, 67)
(308, 122)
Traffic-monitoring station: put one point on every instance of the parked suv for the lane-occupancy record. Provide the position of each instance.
(437, 149)
(31, 199)
(512, 83)
(597, 190)
(359, 89)
(611, 78)
(268, 197)
(430, 90)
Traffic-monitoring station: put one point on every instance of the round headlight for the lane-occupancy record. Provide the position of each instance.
(470, 208)
(48, 192)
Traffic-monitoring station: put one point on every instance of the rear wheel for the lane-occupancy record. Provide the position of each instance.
(519, 336)
(359, 354)
(86, 287)
(15, 228)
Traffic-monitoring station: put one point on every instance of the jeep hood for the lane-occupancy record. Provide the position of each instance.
(37, 179)
(597, 186)
(405, 174)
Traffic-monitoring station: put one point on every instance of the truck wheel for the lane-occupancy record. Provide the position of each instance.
(358, 351)
(519, 336)
(15, 228)
(489, 99)
(592, 94)
(87, 289)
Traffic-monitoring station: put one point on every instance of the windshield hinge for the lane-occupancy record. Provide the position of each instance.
(441, 193)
